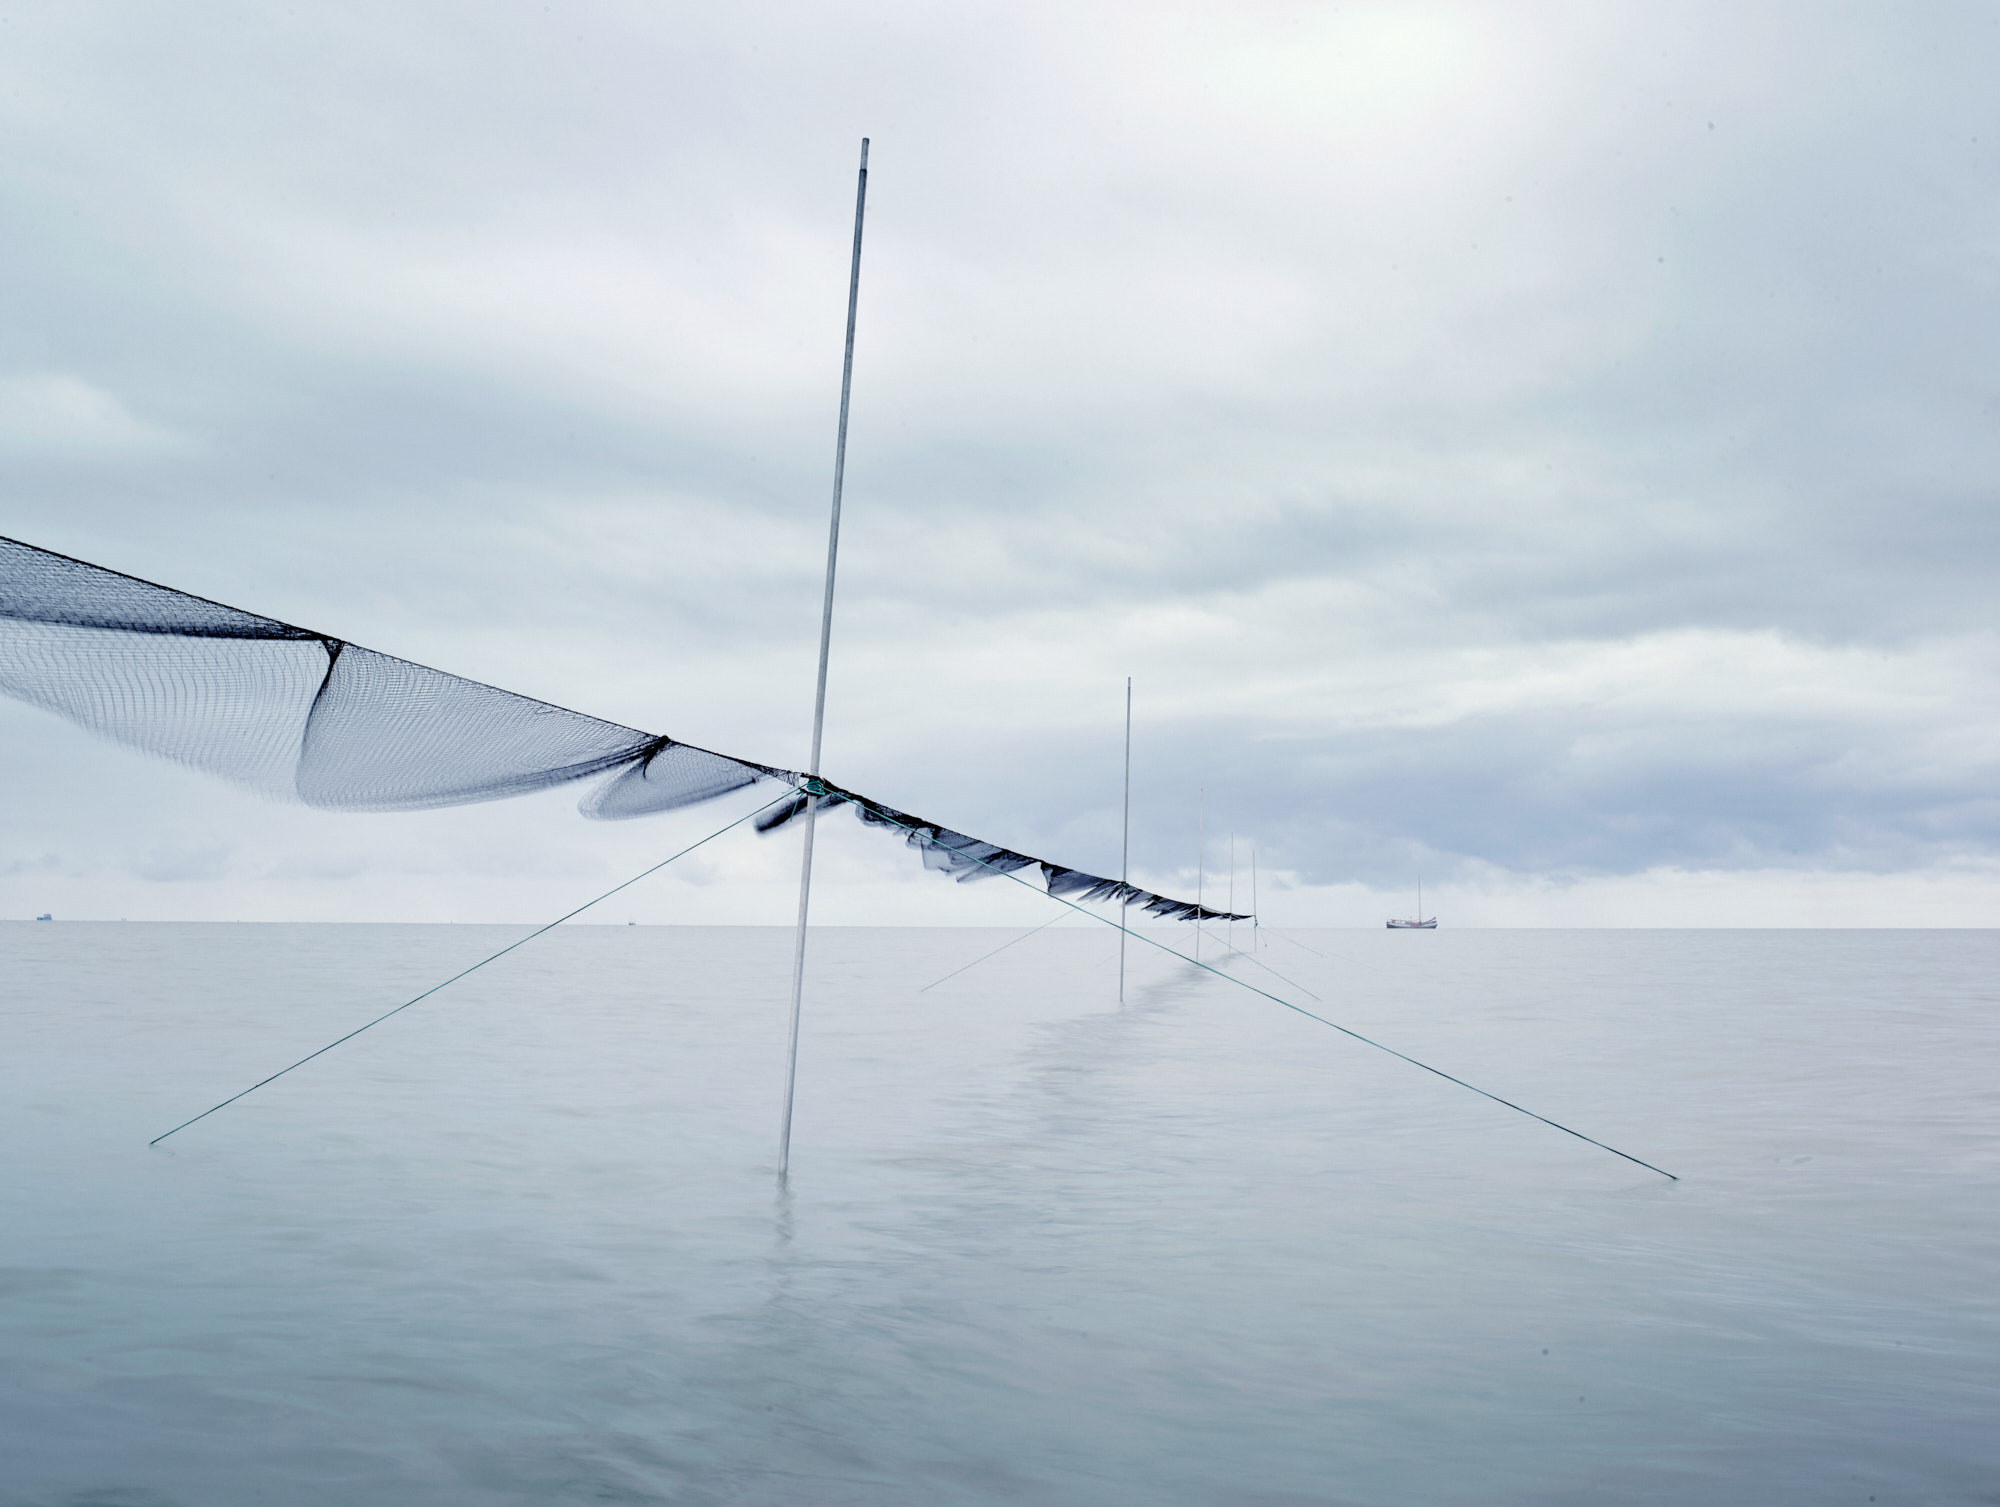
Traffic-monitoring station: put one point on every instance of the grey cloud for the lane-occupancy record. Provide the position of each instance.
(41, 863)
(176, 863)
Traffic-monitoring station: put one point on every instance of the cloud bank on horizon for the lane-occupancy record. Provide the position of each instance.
(1542, 445)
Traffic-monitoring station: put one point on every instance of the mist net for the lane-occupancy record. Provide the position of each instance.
(302, 716)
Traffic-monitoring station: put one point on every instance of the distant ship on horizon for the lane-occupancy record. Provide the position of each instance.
(1417, 925)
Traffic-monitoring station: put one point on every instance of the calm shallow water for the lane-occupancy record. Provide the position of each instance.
(522, 1244)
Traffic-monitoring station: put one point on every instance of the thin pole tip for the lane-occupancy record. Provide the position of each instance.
(864, 154)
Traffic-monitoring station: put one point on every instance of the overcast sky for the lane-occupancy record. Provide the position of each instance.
(1548, 447)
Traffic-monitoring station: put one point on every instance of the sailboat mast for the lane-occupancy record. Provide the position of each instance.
(819, 694)
(1125, 846)
(1200, 861)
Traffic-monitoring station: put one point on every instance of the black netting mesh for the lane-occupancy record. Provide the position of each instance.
(299, 716)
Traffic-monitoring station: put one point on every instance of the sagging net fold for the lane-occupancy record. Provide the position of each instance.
(302, 716)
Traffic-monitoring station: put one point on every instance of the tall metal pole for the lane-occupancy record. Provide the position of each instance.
(1200, 861)
(1125, 845)
(819, 695)
(1230, 925)
(1256, 916)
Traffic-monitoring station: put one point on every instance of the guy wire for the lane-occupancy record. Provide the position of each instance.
(788, 795)
(1331, 957)
(1254, 961)
(985, 955)
(1313, 950)
(883, 817)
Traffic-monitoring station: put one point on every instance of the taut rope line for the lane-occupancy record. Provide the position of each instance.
(985, 955)
(473, 969)
(876, 814)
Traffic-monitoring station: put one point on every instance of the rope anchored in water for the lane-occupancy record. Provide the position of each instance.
(878, 815)
(473, 969)
(1251, 958)
(985, 955)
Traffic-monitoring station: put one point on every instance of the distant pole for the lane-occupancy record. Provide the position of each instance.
(1256, 916)
(819, 695)
(1200, 861)
(1230, 926)
(1125, 845)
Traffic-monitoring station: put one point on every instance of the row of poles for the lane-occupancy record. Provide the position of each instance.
(1200, 861)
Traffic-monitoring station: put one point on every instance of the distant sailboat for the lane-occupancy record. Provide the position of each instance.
(1419, 924)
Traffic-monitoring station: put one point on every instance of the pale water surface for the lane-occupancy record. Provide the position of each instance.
(522, 1244)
